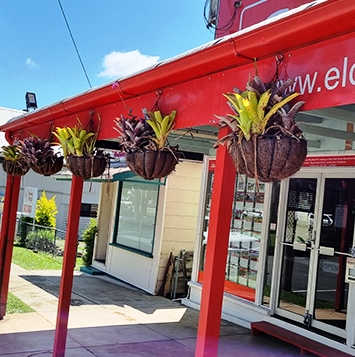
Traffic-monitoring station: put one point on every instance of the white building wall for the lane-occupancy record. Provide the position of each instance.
(175, 229)
(181, 213)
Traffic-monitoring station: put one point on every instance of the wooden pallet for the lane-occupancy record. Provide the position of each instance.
(305, 344)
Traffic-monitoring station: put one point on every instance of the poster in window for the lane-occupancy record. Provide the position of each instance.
(241, 183)
(251, 185)
(261, 186)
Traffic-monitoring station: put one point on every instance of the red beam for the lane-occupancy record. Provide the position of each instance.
(66, 283)
(7, 236)
(216, 254)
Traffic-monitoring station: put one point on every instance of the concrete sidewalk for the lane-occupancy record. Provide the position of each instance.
(109, 318)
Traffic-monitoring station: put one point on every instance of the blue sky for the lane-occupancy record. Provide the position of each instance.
(113, 38)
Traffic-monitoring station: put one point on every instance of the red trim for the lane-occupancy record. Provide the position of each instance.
(66, 282)
(241, 291)
(7, 236)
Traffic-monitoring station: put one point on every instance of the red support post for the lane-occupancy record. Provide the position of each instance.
(216, 254)
(66, 283)
(7, 236)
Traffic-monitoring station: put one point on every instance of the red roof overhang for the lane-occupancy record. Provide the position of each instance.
(317, 23)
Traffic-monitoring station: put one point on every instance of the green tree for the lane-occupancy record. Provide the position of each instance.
(46, 211)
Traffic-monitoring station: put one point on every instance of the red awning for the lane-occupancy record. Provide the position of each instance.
(183, 78)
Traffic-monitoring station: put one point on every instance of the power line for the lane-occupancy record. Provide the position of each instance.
(75, 46)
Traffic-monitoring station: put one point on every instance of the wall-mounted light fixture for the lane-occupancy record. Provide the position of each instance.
(31, 101)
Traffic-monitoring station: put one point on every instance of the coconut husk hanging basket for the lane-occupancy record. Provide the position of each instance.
(266, 142)
(15, 168)
(87, 167)
(52, 165)
(151, 164)
(275, 157)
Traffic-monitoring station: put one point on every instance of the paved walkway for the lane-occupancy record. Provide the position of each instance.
(109, 318)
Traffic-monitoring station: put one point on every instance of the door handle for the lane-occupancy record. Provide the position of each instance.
(326, 251)
(300, 246)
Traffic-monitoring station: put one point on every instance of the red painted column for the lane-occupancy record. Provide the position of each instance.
(7, 236)
(216, 254)
(66, 282)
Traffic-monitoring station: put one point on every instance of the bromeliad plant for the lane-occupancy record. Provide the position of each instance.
(161, 125)
(265, 142)
(11, 153)
(14, 163)
(75, 141)
(79, 150)
(150, 132)
(40, 156)
(134, 133)
(145, 142)
(254, 109)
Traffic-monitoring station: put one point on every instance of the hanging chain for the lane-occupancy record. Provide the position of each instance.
(279, 59)
(159, 93)
(115, 85)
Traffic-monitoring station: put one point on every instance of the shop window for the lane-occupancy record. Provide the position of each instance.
(136, 215)
(88, 210)
(244, 239)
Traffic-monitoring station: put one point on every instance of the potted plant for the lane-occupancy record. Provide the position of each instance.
(265, 142)
(40, 156)
(78, 145)
(14, 163)
(145, 142)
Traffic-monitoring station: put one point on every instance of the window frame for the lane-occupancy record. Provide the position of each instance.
(90, 210)
(117, 218)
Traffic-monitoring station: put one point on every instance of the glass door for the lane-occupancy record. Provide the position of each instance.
(318, 233)
(297, 248)
(329, 292)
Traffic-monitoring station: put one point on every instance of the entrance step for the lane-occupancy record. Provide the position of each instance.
(305, 344)
(91, 270)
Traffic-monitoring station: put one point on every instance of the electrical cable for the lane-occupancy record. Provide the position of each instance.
(75, 46)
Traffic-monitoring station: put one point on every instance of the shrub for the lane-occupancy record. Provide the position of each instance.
(43, 240)
(89, 237)
(46, 210)
(25, 223)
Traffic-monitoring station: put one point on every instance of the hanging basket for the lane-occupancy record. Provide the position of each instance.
(87, 166)
(151, 164)
(52, 166)
(276, 157)
(15, 168)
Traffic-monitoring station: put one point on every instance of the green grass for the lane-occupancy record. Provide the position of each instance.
(15, 305)
(29, 260)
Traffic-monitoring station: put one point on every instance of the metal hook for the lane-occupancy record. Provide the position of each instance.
(279, 58)
(159, 93)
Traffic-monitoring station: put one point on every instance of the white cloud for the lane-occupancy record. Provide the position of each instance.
(120, 64)
(31, 63)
